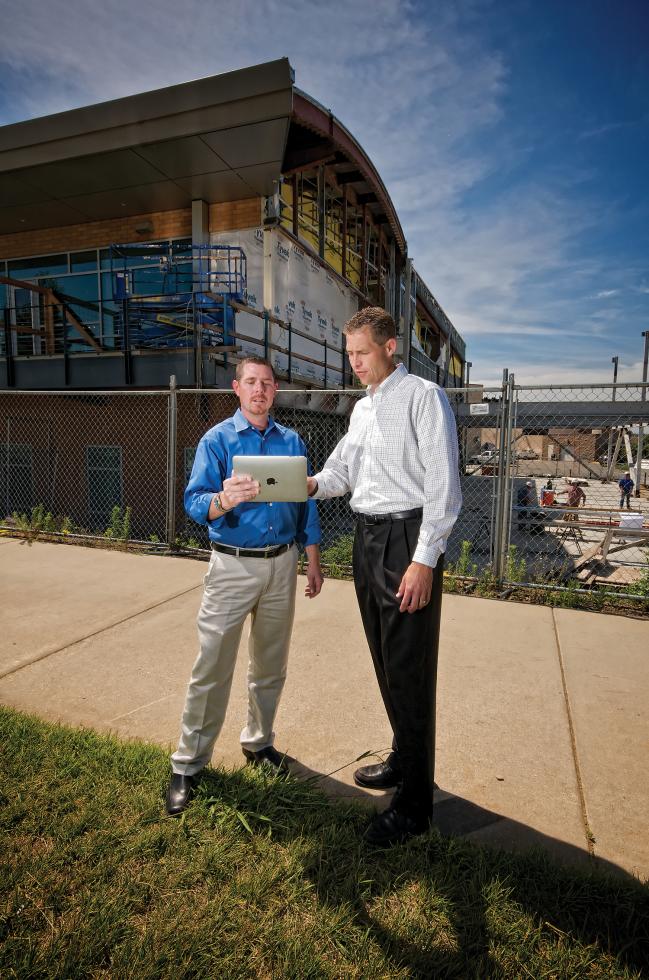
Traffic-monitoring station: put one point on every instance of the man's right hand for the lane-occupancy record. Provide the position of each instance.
(311, 485)
(238, 489)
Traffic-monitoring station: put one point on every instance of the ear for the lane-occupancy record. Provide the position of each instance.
(391, 346)
(235, 385)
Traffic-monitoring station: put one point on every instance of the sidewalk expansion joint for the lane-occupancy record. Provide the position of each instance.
(573, 743)
(97, 632)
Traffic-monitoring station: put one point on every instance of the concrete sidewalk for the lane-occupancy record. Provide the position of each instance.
(543, 733)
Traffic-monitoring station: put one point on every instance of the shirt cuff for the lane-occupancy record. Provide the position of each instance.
(428, 554)
(321, 492)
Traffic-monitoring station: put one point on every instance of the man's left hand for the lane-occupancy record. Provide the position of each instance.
(314, 579)
(416, 587)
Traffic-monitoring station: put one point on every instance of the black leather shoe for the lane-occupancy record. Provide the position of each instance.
(179, 793)
(385, 775)
(269, 758)
(396, 826)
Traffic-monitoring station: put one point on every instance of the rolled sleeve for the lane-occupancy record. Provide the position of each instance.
(206, 479)
(308, 525)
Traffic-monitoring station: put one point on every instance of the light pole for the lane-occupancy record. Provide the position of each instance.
(609, 448)
(468, 365)
(643, 398)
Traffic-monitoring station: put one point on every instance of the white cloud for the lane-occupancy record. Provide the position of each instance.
(426, 97)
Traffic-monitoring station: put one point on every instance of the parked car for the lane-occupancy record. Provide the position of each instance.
(486, 456)
(526, 454)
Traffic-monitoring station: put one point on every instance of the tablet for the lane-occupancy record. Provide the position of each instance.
(281, 478)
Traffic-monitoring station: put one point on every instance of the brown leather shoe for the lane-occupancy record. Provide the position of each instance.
(179, 793)
(385, 775)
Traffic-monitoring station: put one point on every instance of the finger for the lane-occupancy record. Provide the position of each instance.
(241, 485)
(405, 602)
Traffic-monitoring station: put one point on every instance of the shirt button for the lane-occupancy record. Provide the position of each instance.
(270, 505)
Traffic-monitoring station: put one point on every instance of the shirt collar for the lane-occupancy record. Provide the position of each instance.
(390, 383)
(241, 423)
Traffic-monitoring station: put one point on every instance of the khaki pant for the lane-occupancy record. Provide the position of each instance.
(234, 587)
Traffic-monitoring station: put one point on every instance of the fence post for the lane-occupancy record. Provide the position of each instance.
(172, 442)
(507, 478)
(500, 481)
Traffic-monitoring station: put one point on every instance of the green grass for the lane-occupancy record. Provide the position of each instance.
(264, 878)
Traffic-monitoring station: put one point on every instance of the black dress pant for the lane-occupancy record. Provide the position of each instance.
(403, 647)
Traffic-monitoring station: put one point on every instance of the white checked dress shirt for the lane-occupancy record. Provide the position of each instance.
(400, 452)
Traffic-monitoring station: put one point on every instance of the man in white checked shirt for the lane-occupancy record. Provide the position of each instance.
(399, 459)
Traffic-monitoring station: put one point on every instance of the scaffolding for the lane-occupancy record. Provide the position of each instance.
(174, 294)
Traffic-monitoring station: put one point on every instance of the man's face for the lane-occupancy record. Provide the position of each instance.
(256, 390)
(370, 362)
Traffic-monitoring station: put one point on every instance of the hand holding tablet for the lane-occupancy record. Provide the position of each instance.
(280, 479)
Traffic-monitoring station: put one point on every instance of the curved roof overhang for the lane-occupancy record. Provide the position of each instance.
(221, 138)
(349, 161)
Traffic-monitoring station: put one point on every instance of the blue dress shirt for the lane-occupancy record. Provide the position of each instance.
(249, 525)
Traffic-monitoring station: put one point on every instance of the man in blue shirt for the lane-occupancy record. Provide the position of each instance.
(252, 569)
(626, 486)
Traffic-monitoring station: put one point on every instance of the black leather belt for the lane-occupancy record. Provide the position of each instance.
(251, 552)
(400, 515)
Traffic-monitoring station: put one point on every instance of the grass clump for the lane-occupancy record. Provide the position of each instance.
(264, 877)
(337, 558)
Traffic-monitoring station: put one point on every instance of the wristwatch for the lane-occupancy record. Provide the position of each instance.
(217, 499)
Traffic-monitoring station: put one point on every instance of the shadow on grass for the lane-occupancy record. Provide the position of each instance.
(266, 877)
(442, 905)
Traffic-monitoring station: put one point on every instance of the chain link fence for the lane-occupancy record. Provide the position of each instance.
(88, 463)
(539, 471)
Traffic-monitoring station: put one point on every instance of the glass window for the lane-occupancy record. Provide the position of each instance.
(104, 478)
(83, 261)
(33, 268)
(86, 289)
(16, 478)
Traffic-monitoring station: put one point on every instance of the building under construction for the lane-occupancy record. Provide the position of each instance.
(170, 232)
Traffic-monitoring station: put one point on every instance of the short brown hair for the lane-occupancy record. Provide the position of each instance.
(380, 322)
(254, 359)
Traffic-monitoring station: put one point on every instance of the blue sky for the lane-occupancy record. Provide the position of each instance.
(513, 137)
